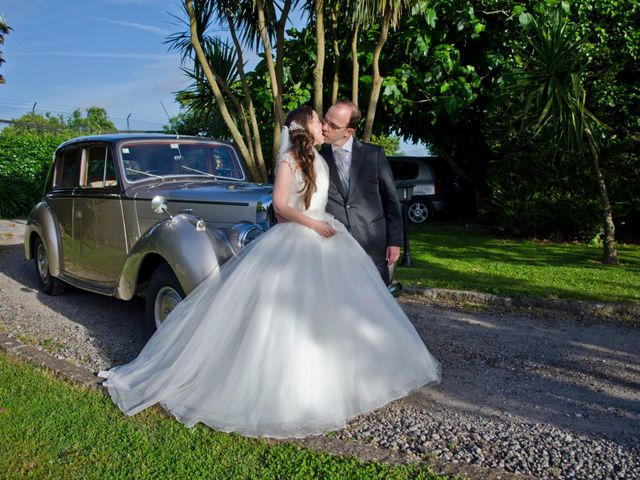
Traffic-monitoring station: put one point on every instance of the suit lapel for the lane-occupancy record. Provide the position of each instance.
(356, 163)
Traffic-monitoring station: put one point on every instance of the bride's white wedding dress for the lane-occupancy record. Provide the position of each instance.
(294, 336)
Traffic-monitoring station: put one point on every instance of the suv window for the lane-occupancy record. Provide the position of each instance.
(101, 171)
(68, 168)
(403, 170)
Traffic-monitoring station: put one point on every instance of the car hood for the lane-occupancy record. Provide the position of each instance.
(203, 191)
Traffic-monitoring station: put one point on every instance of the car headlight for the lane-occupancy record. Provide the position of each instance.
(244, 233)
(265, 216)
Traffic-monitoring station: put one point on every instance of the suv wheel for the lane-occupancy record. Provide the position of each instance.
(48, 284)
(163, 294)
(420, 211)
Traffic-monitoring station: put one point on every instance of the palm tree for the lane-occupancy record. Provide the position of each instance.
(318, 71)
(262, 20)
(555, 101)
(251, 23)
(4, 30)
(196, 42)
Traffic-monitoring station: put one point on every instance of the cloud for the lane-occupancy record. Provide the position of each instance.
(134, 56)
(138, 26)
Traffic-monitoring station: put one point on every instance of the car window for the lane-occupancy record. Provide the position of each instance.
(404, 170)
(159, 159)
(101, 172)
(68, 168)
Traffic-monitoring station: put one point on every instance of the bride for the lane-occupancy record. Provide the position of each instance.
(291, 337)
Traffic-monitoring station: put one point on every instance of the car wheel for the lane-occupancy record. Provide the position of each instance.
(48, 284)
(164, 293)
(420, 211)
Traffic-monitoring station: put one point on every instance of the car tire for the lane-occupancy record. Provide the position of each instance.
(163, 294)
(420, 211)
(47, 283)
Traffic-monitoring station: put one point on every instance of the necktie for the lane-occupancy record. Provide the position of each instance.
(340, 155)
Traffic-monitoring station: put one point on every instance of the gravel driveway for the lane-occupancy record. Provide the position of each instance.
(542, 395)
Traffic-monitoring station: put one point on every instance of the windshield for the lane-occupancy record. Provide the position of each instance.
(174, 158)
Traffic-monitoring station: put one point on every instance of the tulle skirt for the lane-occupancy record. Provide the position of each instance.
(292, 337)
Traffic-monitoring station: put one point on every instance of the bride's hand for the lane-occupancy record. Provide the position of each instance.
(323, 229)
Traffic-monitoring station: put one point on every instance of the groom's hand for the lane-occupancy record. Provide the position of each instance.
(393, 254)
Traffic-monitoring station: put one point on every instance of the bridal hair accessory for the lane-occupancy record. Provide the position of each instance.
(295, 126)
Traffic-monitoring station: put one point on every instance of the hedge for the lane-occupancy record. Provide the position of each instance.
(25, 159)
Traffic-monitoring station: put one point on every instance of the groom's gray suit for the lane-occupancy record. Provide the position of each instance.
(370, 209)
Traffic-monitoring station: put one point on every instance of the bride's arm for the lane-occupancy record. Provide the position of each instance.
(289, 213)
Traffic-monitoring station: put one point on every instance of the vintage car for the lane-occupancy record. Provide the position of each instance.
(151, 215)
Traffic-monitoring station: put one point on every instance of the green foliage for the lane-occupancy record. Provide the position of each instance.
(33, 122)
(444, 75)
(51, 429)
(25, 158)
(390, 143)
(538, 196)
(94, 122)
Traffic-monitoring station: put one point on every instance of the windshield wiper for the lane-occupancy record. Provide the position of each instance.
(198, 171)
(141, 172)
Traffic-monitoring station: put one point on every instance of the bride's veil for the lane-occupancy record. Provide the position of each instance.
(285, 142)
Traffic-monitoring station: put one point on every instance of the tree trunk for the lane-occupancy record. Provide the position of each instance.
(318, 71)
(355, 69)
(206, 68)
(240, 111)
(376, 83)
(280, 33)
(610, 251)
(275, 90)
(248, 101)
(336, 55)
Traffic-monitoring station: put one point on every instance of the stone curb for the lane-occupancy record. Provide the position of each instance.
(59, 368)
(319, 443)
(627, 312)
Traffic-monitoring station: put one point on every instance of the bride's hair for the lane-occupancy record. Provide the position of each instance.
(302, 147)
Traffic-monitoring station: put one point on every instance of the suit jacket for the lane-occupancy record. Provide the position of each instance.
(370, 209)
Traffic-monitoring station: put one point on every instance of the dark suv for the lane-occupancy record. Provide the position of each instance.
(428, 195)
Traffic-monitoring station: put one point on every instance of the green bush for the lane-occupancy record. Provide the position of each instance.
(25, 159)
(621, 166)
(537, 196)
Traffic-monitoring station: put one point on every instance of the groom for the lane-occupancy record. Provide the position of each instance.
(362, 194)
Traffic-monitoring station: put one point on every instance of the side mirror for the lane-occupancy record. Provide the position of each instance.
(159, 205)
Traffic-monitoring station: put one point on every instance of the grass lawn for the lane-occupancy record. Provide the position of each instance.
(445, 256)
(53, 429)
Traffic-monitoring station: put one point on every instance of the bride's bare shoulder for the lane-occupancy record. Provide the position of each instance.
(288, 158)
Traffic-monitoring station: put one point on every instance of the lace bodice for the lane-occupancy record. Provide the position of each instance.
(296, 195)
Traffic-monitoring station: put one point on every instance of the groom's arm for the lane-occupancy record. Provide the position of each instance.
(390, 201)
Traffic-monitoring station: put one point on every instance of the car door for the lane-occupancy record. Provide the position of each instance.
(99, 230)
(66, 178)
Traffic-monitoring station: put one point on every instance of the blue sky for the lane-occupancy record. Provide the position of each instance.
(69, 54)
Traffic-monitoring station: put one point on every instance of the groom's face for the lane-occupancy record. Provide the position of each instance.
(334, 125)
